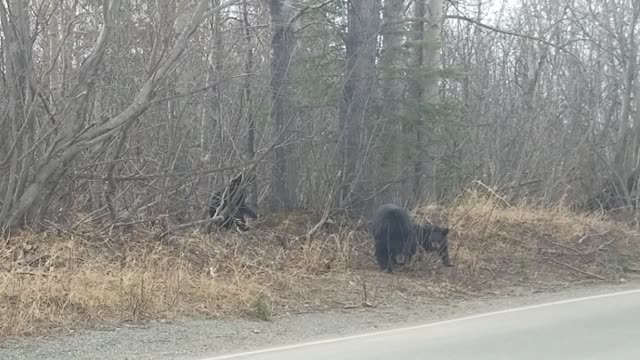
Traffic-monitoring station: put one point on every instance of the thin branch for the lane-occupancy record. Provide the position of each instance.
(199, 90)
(575, 269)
(307, 9)
(511, 33)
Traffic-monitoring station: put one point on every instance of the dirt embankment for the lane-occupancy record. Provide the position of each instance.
(70, 279)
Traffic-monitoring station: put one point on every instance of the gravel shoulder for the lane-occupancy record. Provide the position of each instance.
(202, 338)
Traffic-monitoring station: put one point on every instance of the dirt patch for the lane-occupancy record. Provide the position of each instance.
(57, 280)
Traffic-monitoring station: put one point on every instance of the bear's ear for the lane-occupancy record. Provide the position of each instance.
(445, 231)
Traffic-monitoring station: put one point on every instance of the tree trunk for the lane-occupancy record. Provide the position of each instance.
(283, 182)
(360, 76)
(246, 100)
(17, 135)
(424, 90)
(625, 159)
(391, 164)
(417, 90)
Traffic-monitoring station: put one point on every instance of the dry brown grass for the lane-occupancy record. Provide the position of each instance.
(57, 280)
(519, 243)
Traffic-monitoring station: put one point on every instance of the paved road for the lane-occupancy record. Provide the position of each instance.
(597, 327)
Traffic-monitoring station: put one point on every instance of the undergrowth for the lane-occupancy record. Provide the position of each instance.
(68, 279)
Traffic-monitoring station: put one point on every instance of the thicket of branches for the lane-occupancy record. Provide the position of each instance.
(128, 111)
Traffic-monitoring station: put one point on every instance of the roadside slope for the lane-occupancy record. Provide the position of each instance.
(75, 278)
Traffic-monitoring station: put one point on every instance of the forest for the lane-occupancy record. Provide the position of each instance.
(138, 110)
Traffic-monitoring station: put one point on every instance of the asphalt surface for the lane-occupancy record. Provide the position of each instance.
(603, 326)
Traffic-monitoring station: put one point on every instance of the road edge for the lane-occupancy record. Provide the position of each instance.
(425, 325)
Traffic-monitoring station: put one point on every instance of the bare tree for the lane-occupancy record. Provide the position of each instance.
(75, 135)
(119, 113)
(626, 163)
(283, 182)
(246, 100)
(361, 47)
(392, 73)
(423, 90)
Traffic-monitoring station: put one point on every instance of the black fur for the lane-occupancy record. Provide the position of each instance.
(395, 234)
(237, 218)
(432, 238)
(391, 228)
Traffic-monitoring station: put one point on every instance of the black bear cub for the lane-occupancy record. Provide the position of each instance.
(432, 238)
(395, 234)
